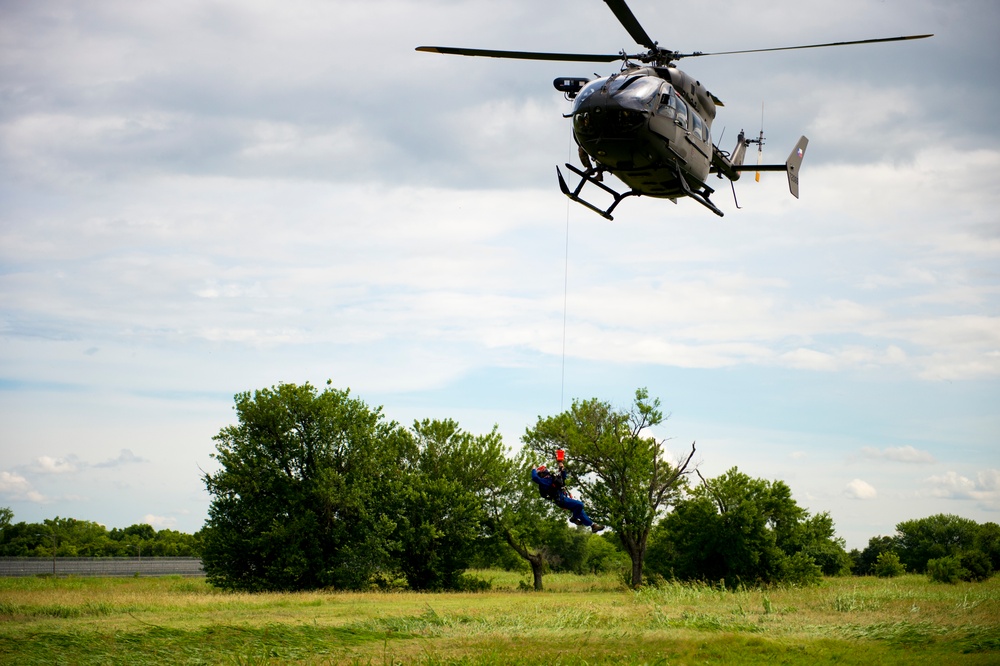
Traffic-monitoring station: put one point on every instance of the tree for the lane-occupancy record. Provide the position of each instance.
(75, 538)
(815, 537)
(448, 477)
(887, 565)
(945, 569)
(744, 531)
(976, 565)
(602, 555)
(527, 523)
(307, 492)
(622, 470)
(866, 559)
(987, 541)
(937, 536)
(720, 532)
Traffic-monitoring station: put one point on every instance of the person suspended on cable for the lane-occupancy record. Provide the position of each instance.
(552, 486)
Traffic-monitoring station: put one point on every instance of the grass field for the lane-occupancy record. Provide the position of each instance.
(577, 620)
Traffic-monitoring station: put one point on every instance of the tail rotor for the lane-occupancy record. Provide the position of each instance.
(760, 144)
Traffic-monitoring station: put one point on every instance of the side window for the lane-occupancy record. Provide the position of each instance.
(665, 108)
(699, 127)
(681, 110)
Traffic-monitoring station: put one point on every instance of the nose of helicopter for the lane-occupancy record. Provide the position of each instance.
(609, 131)
(601, 116)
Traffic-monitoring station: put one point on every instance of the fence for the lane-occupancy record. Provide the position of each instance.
(101, 566)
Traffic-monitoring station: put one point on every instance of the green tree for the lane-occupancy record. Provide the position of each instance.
(940, 535)
(987, 541)
(449, 478)
(76, 538)
(141, 531)
(976, 564)
(744, 530)
(887, 565)
(307, 492)
(622, 470)
(945, 569)
(6, 518)
(171, 543)
(526, 522)
(602, 556)
(815, 537)
(720, 532)
(865, 562)
(84, 538)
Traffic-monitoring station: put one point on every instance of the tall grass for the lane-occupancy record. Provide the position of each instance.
(577, 620)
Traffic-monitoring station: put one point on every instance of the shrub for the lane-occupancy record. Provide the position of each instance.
(887, 565)
(468, 583)
(802, 569)
(977, 564)
(947, 569)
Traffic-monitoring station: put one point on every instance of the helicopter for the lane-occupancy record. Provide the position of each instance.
(650, 123)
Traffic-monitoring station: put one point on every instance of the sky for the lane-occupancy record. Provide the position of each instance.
(200, 198)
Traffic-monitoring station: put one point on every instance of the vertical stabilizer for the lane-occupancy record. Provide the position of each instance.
(793, 163)
(740, 150)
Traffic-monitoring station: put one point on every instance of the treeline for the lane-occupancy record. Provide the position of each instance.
(69, 537)
(317, 489)
(947, 548)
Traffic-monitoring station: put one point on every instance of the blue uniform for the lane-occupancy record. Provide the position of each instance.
(557, 493)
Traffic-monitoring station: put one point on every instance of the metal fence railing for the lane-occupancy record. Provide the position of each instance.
(101, 566)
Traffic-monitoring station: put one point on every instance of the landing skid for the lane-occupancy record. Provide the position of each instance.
(592, 176)
(700, 197)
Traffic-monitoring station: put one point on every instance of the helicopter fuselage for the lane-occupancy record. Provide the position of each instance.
(650, 127)
(650, 124)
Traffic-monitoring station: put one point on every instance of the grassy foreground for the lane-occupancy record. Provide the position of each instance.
(577, 620)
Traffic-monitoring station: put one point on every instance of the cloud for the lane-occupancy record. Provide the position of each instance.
(15, 487)
(198, 195)
(160, 522)
(809, 359)
(903, 454)
(50, 465)
(861, 490)
(984, 489)
(126, 457)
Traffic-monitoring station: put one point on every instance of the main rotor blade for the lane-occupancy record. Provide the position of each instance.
(522, 55)
(631, 23)
(808, 46)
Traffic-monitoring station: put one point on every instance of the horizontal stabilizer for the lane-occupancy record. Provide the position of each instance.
(791, 166)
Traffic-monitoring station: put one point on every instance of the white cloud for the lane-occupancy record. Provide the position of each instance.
(15, 487)
(204, 194)
(984, 489)
(904, 454)
(50, 465)
(125, 457)
(160, 522)
(809, 359)
(860, 490)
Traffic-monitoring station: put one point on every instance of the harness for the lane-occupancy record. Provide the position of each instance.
(557, 488)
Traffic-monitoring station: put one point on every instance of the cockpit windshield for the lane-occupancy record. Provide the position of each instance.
(587, 91)
(633, 92)
(639, 88)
